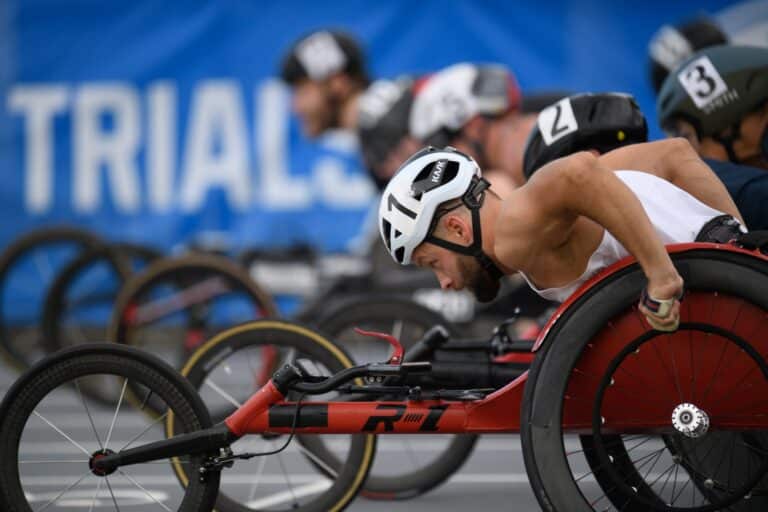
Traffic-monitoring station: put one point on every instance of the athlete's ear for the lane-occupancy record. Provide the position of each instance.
(458, 228)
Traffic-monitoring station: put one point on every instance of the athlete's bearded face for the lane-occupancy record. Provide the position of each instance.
(477, 280)
(315, 106)
(457, 271)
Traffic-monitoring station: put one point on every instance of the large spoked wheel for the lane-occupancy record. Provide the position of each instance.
(620, 417)
(50, 432)
(406, 466)
(27, 267)
(316, 472)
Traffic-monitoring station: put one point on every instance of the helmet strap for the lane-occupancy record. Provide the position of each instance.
(727, 141)
(764, 143)
(473, 199)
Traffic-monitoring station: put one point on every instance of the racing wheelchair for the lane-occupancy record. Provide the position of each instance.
(612, 414)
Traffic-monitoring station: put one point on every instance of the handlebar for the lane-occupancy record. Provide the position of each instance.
(292, 378)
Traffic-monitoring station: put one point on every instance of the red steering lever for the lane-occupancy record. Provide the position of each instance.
(397, 354)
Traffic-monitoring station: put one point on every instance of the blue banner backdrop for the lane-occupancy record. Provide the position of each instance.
(152, 121)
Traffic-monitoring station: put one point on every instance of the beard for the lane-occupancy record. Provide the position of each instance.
(477, 280)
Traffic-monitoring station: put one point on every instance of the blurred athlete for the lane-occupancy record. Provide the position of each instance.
(718, 100)
(476, 109)
(382, 127)
(327, 72)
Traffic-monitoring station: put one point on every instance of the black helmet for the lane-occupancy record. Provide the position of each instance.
(382, 122)
(715, 88)
(671, 45)
(322, 54)
(602, 122)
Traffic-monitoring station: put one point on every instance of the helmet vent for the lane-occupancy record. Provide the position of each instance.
(387, 228)
(434, 175)
(400, 254)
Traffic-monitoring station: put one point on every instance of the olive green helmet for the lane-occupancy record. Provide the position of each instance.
(715, 88)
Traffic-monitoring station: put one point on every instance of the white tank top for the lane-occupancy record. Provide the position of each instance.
(677, 216)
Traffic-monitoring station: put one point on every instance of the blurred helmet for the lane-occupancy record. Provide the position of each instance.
(715, 88)
(602, 122)
(409, 208)
(322, 54)
(382, 122)
(672, 45)
(452, 97)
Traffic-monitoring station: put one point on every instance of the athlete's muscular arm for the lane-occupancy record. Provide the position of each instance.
(547, 207)
(675, 161)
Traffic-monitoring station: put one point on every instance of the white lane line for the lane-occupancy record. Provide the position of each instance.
(308, 480)
(291, 495)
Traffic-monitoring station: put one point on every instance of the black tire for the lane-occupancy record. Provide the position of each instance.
(209, 370)
(103, 270)
(58, 303)
(20, 337)
(41, 393)
(710, 273)
(384, 313)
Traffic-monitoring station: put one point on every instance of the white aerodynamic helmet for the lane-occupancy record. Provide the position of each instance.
(409, 205)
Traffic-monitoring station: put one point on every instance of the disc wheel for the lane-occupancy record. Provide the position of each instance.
(50, 434)
(232, 366)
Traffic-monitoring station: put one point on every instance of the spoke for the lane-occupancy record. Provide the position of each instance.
(411, 452)
(137, 484)
(660, 494)
(287, 479)
(117, 411)
(682, 489)
(645, 476)
(674, 483)
(674, 370)
(88, 412)
(226, 396)
(257, 478)
(738, 385)
(585, 450)
(57, 429)
(317, 460)
(712, 379)
(62, 493)
(111, 493)
(158, 420)
(281, 497)
(96, 495)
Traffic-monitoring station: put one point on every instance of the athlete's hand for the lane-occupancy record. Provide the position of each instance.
(660, 303)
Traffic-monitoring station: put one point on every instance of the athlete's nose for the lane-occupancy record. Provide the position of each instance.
(446, 283)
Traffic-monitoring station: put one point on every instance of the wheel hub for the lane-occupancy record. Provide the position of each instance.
(690, 421)
(96, 470)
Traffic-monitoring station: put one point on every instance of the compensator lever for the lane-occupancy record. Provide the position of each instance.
(397, 354)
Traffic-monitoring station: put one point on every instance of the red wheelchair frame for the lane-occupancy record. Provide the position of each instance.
(267, 411)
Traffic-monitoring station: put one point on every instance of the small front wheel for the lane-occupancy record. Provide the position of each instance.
(51, 432)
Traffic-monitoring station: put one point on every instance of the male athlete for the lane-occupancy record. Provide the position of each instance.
(326, 70)
(575, 216)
